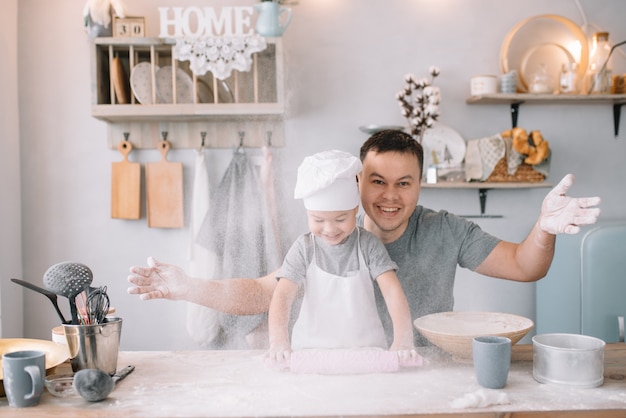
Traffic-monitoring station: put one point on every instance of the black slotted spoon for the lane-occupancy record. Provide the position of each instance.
(68, 279)
(50, 295)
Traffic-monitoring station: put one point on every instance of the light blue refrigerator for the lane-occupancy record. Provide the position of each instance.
(584, 291)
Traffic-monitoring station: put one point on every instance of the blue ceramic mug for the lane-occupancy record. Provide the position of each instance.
(23, 373)
(492, 360)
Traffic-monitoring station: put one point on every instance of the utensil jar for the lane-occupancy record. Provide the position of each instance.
(94, 346)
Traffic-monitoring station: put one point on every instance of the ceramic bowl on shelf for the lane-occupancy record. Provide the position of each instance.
(453, 332)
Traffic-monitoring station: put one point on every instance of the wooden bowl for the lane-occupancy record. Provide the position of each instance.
(55, 353)
(453, 332)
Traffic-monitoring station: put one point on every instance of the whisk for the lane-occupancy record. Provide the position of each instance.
(97, 305)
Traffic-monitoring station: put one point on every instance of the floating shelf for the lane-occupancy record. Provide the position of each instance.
(482, 188)
(516, 99)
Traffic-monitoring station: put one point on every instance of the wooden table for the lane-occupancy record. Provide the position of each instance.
(237, 384)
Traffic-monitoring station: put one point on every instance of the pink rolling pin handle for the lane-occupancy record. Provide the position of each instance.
(344, 361)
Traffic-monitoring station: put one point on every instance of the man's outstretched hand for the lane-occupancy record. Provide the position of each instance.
(561, 214)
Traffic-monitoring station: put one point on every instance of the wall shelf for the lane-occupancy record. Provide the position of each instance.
(514, 100)
(483, 188)
(250, 102)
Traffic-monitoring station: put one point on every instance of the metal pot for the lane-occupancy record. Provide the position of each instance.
(568, 359)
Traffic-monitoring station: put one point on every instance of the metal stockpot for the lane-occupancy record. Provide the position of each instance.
(568, 359)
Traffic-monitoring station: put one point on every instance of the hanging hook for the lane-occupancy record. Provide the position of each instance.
(203, 135)
(239, 149)
(164, 135)
(126, 135)
(269, 138)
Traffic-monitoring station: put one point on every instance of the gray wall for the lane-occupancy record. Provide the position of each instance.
(345, 62)
(11, 319)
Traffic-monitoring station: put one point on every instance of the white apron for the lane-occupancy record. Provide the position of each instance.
(338, 312)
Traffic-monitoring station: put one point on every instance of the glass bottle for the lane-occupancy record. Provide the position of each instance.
(599, 75)
(568, 80)
(541, 82)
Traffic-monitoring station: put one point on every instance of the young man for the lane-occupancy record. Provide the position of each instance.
(426, 245)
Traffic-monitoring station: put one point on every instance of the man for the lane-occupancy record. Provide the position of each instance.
(426, 245)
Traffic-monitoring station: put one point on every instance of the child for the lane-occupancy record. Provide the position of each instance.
(333, 266)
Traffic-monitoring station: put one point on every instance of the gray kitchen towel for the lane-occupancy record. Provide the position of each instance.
(238, 230)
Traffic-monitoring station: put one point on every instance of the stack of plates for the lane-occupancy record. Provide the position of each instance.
(550, 40)
(165, 86)
(141, 84)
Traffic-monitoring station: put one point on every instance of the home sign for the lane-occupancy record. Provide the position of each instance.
(205, 21)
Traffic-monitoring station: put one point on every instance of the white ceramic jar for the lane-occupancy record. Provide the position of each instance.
(483, 84)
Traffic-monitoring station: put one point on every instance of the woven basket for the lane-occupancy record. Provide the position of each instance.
(524, 174)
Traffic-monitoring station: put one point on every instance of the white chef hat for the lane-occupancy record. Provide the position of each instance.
(327, 181)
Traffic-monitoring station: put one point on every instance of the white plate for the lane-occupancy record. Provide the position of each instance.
(141, 82)
(538, 30)
(205, 93)
(372, 129)
(553, 56)
(225, 95)
(443, 147)
(165, 88)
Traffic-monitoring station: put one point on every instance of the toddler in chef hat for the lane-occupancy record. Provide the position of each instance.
(333, 267)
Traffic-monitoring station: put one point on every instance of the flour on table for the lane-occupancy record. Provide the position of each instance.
(481, 399)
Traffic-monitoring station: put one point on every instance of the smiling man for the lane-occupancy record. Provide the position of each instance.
(427, 245)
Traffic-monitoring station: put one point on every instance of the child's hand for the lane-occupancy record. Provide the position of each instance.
(279, 356)
(407, 356)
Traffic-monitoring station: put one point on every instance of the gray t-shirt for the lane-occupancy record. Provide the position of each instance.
(336, 259)
(427, 255)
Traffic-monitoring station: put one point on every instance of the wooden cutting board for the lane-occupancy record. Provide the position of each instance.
(125, 186)
(164, 191)
(120, 81)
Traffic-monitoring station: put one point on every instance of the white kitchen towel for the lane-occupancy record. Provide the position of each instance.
(271, 203)
(482, 155)
(202, 323)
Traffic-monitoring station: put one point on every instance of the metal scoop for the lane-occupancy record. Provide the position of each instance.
(68, 279)
(45, 292)
(95, 385)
